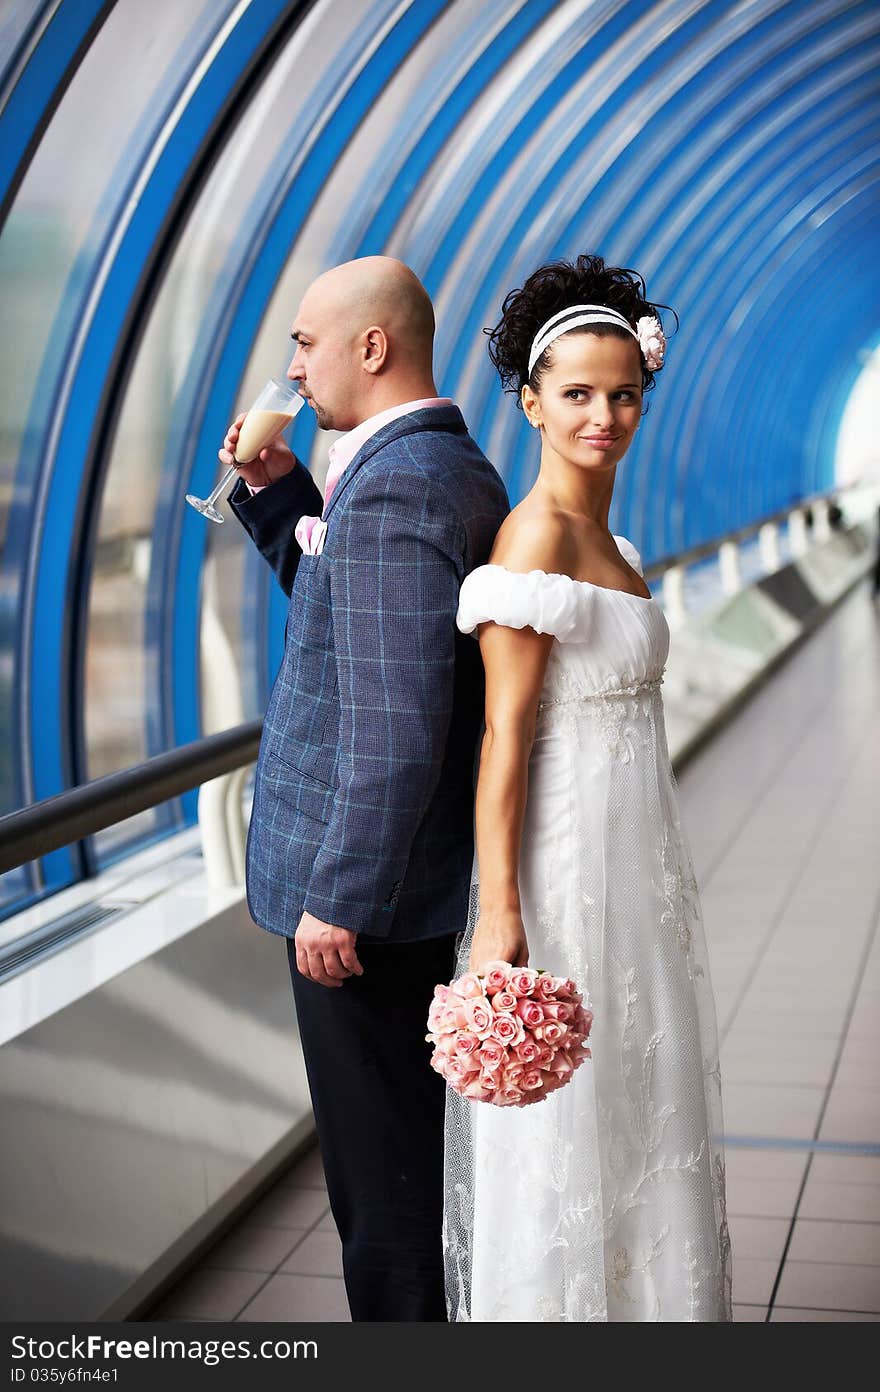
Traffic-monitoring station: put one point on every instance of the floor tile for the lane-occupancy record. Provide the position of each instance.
(750, 1162)
(852, 1114)
(318, 1299)
(252, 1248)
(762, 1198)
(749, 1066)
(771, 1111)
(284, 1207)
(753, 1279)
(830, 1286)
(307, 1173)
(827, 1240)
(210, 1295)
(749, 1314)
(845, 1169)
(763, 1238)
(857, 1203)
(327, 1223)
(785, 1023)
(319, 1254)
(782, 1314)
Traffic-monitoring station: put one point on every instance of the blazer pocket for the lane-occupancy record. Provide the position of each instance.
(297, 790)
(307, 564)
(289, 767)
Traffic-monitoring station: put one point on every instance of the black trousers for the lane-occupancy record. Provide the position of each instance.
(379, 1111)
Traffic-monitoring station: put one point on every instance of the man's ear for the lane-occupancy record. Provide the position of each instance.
(374, 348)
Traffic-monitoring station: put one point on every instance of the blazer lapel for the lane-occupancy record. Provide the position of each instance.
(429, 418)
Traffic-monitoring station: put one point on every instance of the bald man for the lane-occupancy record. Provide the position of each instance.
(360, 845)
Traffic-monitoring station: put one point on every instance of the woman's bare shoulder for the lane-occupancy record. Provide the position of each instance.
(534, 537)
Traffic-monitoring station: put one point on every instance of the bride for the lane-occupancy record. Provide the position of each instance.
(606, 1200)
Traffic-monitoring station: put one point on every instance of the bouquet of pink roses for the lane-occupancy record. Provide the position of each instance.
(509, 1036)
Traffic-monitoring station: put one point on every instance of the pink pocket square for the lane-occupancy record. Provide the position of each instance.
(310, 533)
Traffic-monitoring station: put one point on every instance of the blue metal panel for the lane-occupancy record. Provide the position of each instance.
(618, 247)
(281, 231)
(382, 198)
(40, 85)
(577, 141)
(57, 592)
(216, 365)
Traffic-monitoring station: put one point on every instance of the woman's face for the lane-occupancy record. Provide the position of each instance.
(590, 399)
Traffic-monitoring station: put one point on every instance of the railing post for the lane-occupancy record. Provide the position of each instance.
(672, 590)
(797, 532)
(768, 547)
(821, 520)
(728, 561)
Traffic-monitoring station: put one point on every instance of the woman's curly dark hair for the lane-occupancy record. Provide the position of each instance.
(555, 287)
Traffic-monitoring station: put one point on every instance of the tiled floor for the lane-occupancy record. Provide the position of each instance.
(782, 811)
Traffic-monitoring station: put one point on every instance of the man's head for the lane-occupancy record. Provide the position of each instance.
(364, 334)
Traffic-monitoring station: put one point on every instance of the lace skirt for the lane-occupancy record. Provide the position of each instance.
(606, 1200)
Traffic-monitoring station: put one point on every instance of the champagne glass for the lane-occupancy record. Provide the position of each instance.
(273, 410)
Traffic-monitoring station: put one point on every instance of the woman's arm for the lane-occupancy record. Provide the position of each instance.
(515, 662)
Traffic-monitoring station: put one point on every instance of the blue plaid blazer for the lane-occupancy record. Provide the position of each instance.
(364, 789)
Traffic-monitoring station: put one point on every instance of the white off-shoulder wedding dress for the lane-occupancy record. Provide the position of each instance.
(606, 1200)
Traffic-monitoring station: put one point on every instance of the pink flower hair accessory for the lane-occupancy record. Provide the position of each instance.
(652, 341)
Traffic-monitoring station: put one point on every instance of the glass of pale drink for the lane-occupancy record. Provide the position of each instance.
(274, 409)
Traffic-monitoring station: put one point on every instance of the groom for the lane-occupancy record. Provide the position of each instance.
(361, 837)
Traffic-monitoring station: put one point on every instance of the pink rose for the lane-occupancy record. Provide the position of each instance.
(509, 1095)
(504, 1000)
(492, 1054)
(565, 986)
(545, 1055)
(560, 1010)
(522, 981)
(468, 986)
(454, 1017)
(527, 1050)
(441, 993)
(551, 1031)
(436, 1012)
(532, 1080)
(466, 1044)
(507, 1029)
(476, 1090)
(459, 1070)
(489, 1080)
(495, 976)
(545, 987)
(478, 1017)
(531, 1012)
(562, 1065)
(513, 1072)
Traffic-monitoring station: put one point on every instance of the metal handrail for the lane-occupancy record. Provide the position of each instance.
(67, 817)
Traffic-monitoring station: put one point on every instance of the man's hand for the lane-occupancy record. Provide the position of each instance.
(325, 954)
(272, 463)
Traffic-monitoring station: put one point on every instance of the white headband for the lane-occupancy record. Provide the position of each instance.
(647, 333)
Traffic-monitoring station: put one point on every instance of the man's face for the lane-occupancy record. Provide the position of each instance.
(325, 363)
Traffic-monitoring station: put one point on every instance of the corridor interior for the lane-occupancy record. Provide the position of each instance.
(781, 809)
